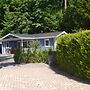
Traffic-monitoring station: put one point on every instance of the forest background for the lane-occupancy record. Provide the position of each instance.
(36, 16)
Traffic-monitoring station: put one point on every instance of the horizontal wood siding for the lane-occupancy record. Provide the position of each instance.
(52, 41)
(42, 43)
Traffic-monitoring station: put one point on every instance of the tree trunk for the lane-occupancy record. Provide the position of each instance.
(65, 4)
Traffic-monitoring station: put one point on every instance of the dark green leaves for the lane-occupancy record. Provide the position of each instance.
(73, 53)
(28, 16)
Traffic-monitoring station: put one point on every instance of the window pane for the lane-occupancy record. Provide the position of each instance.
(47, 42)
(18, 44)
(25, 44)
(7, 44)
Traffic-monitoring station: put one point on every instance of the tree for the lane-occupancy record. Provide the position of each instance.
(77, 15)
(30, 16)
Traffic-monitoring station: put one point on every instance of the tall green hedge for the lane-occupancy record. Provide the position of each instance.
(73, 53)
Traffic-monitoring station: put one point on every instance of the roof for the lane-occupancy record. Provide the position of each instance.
(36, 36)
(52, 34)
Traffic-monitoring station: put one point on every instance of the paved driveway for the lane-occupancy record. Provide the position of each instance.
(35, 77)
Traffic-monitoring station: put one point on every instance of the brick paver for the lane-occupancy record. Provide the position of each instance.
(36, 77)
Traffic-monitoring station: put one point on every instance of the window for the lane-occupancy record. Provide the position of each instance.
(47, 42)
(18, 44)
(7, 44)
(25, 44)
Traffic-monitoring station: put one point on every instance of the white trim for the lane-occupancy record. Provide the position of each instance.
(32, 37)
(22, 43)
(14, 39)
(61, 34)
(11, 35)
(44, 37)
(26, 38)
(26, 43)
(55, 43)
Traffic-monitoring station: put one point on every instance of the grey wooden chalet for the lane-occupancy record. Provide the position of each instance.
(12, 41)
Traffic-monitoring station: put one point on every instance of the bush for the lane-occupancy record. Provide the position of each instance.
(32, 55)
(18, 56)
(40, 56)
(73, 53)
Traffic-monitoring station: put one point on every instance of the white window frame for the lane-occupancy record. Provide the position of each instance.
(45, 42)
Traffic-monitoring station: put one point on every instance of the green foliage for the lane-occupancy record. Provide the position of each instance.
(29, 16)
(38, 56)
(34, 45)
(34, 54)
(73, 53)
(31, 55)
(18, 56)
(77, 15)
(34, 16)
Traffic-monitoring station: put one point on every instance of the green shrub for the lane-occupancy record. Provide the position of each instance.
(38, 56)
(42, 56)
(73, 53)
(32, 55)
(18, 56)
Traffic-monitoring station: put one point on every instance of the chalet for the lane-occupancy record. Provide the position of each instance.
(12, 41)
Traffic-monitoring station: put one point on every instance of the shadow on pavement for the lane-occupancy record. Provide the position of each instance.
(7, 64)
(61, 72)
(4, 58)
(6, 61)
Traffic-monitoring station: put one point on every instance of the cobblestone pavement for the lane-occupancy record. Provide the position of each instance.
(36, 77)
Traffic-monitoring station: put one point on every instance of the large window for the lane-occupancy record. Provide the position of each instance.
(47, 42)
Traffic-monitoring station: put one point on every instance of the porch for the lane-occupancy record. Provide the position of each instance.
(8, 47)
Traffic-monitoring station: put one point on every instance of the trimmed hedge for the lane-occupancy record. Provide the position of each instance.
(73, 53)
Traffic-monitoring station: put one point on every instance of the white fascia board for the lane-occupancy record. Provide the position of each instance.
(61, 34)
(55, 43)
(8, 35)
(37, 37)
(5, 36)
(16, 36)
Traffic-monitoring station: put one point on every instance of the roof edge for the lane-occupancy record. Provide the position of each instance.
(61, 34)
(8, 35)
